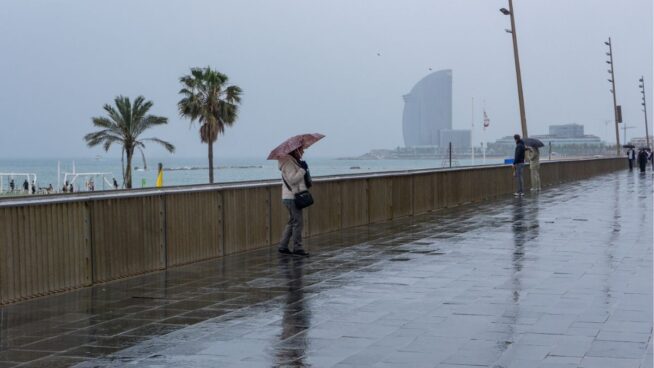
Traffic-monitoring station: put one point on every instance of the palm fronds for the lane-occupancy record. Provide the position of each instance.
(124, 123)
(207, 99)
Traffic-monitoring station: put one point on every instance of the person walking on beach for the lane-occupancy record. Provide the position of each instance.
(518, 165)
(534, 167)
(631, 156)
(26, 186)
(293, 182)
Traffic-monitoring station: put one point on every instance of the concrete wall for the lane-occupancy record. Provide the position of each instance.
(55, 243)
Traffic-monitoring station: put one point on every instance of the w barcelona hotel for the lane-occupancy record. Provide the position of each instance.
(427, 117)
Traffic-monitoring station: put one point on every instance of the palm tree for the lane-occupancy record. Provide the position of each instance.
(208, 99)
(123, 125)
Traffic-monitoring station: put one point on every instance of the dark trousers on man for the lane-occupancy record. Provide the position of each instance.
(519, 181)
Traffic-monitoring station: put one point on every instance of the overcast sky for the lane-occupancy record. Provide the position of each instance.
(313, 66)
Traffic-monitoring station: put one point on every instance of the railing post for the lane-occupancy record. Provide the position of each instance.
(163, 261)
(450, 151)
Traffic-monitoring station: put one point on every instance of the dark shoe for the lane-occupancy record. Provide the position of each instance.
(300, 252)
(284, 251)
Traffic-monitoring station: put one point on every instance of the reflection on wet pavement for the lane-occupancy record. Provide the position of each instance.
(559, 279)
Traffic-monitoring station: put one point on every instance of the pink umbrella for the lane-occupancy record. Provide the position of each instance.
(293, 143)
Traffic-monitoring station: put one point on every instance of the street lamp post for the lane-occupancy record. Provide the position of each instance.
(615, 103)
(644, 103)
(521, 100)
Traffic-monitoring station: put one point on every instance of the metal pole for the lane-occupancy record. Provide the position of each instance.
(642, 86)
(450, 150)
(472, 129)
(615, 102)
(521, 100)
(624, 132)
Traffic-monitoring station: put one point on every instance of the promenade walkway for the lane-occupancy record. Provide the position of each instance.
(557, 279)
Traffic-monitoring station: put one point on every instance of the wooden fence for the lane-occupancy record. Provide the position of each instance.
(55, 243)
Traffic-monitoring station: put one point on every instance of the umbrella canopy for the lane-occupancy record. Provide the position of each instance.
(628, 146)
(293, 143)
(533, 142)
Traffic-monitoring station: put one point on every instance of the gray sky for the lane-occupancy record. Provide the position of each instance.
(312, 66)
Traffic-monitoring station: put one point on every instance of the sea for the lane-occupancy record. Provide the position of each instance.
(190, 171)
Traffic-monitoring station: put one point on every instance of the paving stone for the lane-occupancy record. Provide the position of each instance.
(605, 362)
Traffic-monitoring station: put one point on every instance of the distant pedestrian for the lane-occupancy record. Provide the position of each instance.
(49, 189)
(26, 186)
(12, 185)
(518, 165)
(631, 156)
(642, 159)
(534, 167)
(33, 187)
(65, 187)
(115, 184)
(293, 182)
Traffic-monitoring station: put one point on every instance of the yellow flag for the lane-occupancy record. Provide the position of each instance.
(160, 179)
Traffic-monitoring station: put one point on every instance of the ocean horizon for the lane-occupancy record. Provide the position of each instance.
(192, 170)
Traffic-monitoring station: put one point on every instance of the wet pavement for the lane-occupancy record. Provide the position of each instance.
(558, 279)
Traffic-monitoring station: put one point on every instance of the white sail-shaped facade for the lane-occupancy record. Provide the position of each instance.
(428, 110)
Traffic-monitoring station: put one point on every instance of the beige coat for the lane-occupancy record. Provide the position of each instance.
(294, 176)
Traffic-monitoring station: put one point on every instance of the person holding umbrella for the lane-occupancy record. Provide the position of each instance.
(534, 167)
(533, 154)
(295, 195)
(642, 159)
(631, 155)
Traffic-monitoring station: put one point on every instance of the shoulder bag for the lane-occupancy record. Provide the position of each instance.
(302, 199)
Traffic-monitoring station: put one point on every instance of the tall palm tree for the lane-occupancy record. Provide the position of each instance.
(123, 125)
(207, 98)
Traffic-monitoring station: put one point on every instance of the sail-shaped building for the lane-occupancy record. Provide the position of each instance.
(428, 110)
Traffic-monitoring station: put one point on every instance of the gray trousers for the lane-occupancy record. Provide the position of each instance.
(519, 181)
(293, 230)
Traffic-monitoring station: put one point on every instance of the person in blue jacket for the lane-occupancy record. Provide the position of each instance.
(518, 165)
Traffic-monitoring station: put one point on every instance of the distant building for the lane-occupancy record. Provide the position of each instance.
(641, 141)
(428, 109)
(564, 138)
(567, 131)
(460, 138)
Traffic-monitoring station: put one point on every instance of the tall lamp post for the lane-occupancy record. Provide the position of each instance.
(521, 100)
(644, 103)
(616, 112)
